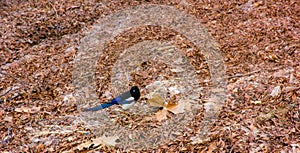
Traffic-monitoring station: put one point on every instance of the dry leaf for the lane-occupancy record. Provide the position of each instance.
(256, 102)
(212, 147)
(156, 100)
(177, 70)
(69, 98)
(108, 95)
(109, 141)
(161, 114)
(176, 108)
(174, 90)
(187, 105)
(8, 118)
(259, 3)
(28, 110)
(88, 145)
(276, 91)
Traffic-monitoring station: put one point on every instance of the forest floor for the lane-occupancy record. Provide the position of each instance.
(259, 42)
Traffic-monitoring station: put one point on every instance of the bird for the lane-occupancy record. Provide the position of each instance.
(126, 100)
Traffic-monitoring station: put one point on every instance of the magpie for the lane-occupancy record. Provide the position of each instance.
(126, 100)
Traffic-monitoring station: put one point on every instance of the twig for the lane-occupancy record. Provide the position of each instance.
(53, 9)
(4, 73)
(253, 72)
(12, 98)
(6, 92)
(21, 82)
(19, 94)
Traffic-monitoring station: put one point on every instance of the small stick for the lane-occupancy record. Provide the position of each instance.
(19, 94)
(253, 72)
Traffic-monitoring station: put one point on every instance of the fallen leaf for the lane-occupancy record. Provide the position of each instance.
(256, 102)
(156, 100)
(173, 90)
(212, 147)
(109, 141)
(87, 145)
(259, 3)
(161, 114)
(187, 105)
(177, 70)
(267, 116)
(176, 108)
(69, 98)
(8, 118)
(108, 95)
(276, 91)
(28, 110)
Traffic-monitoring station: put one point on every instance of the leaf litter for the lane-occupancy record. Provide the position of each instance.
(252, 36)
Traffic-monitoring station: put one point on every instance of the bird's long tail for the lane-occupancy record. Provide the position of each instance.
(102, 106)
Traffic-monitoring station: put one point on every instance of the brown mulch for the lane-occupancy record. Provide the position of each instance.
(259, 41)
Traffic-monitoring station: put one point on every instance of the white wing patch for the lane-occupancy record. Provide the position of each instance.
(127, 106)
(129, 102)
(130, 99)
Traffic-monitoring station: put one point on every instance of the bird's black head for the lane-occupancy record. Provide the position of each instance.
(135, 92)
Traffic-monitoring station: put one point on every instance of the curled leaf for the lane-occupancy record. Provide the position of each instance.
(161, 114)
(175, 108)
(156, 100)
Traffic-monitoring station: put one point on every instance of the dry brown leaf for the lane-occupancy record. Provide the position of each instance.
(28, 110)
(109, 141)
(276, 91)
(8, 118)
(87, 145)
(212, 147)
(69, 98)
(156, 100)
(176, 108)
(256, 102)
(161, 114)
